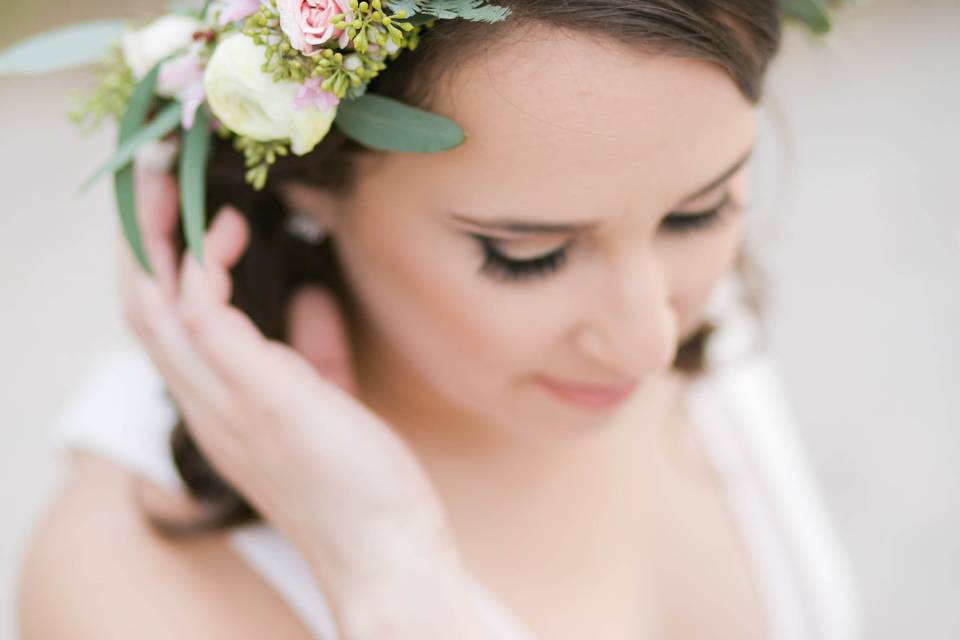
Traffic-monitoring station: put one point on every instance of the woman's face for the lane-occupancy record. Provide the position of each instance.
(605, 145)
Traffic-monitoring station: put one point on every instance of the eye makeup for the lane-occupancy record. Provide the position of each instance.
(504, 268)
(683, 222)
(501, 267)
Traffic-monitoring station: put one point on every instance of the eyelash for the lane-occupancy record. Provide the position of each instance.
(498, 265)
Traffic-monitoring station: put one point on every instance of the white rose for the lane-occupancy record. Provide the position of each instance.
(249, 102)
(144, 48)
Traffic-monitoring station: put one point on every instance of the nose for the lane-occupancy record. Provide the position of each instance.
(631, 328)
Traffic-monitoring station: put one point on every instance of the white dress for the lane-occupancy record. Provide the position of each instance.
(741, 412)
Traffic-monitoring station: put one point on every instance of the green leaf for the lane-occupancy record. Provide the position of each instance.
(123, 182)
(386, 124)
(124, 192)
(813, 13)
(419, 19)
(64, 48)
(204, 9)
(410, 6)
(166, 121)
(476, 10)
(193, 181)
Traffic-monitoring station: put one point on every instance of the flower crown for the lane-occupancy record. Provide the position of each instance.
(273, 75)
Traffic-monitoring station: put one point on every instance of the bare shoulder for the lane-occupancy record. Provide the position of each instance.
(95, 568)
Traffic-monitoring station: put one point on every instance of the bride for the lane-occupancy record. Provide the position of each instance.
(451, 395)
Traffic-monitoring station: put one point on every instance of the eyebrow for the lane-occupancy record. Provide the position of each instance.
(525, 226)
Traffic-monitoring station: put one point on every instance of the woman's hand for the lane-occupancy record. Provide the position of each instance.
(280, 423)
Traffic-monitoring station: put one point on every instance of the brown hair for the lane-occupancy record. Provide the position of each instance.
(739, 35)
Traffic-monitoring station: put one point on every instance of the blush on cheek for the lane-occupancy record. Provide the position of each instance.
(473, 344)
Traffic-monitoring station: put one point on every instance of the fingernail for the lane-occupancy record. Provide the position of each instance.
(228, 217)
(229, 210)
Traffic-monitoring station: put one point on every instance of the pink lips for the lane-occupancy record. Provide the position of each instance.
(587, 395)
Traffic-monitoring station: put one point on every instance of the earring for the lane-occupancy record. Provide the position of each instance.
(305, 227)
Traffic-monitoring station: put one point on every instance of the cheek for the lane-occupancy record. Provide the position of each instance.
(696, 267)
(465, 333)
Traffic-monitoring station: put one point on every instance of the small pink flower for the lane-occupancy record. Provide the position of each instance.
(233, 10)
(182, 78)
(307, 22)
(311, 94)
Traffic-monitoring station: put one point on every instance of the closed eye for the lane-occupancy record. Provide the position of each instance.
(496, 264)
(682, 222)
(504, 268)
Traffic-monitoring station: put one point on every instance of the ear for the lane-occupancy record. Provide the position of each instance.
(316, 328)
(317, 202)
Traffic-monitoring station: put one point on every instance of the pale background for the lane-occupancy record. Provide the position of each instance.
(861, 229)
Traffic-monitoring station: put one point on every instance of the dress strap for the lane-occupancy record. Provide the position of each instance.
(742, 411)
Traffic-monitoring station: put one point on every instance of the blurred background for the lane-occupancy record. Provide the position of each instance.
(856, 218)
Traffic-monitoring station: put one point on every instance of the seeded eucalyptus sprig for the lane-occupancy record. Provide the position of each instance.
(283, 62)
(345, 72)
(259, 157)
(346, 75)
(369, 24)
(110, 94)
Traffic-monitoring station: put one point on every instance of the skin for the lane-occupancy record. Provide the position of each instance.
(448, 356)
(438, 450)
(439, 344)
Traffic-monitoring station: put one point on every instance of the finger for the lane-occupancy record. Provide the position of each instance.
(194, 383)
(316, 328)
(157, 215)
(225, 337)
(158, 211)
(150, 303)
(223, 245)
(146, 298)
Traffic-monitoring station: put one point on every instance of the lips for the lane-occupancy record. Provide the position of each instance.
(587, 395)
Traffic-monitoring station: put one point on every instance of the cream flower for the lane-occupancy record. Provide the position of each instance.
(249, 102)
(144, 48)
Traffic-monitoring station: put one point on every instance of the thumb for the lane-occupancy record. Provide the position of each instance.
(316, 328)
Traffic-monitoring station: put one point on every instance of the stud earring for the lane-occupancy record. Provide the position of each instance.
(306, 228)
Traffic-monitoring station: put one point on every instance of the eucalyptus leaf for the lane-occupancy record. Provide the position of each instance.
(420, 19)
(193, 181)
(413, 11)
(124, 192)
(477, 10)
(410, 6)
(164, 123)
(386, 124)
(64, 48)
(813, 13)
(123, 181)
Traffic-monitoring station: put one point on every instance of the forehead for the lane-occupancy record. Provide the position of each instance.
(574, 121)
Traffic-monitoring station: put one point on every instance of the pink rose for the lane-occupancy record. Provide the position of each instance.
(307, 22)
